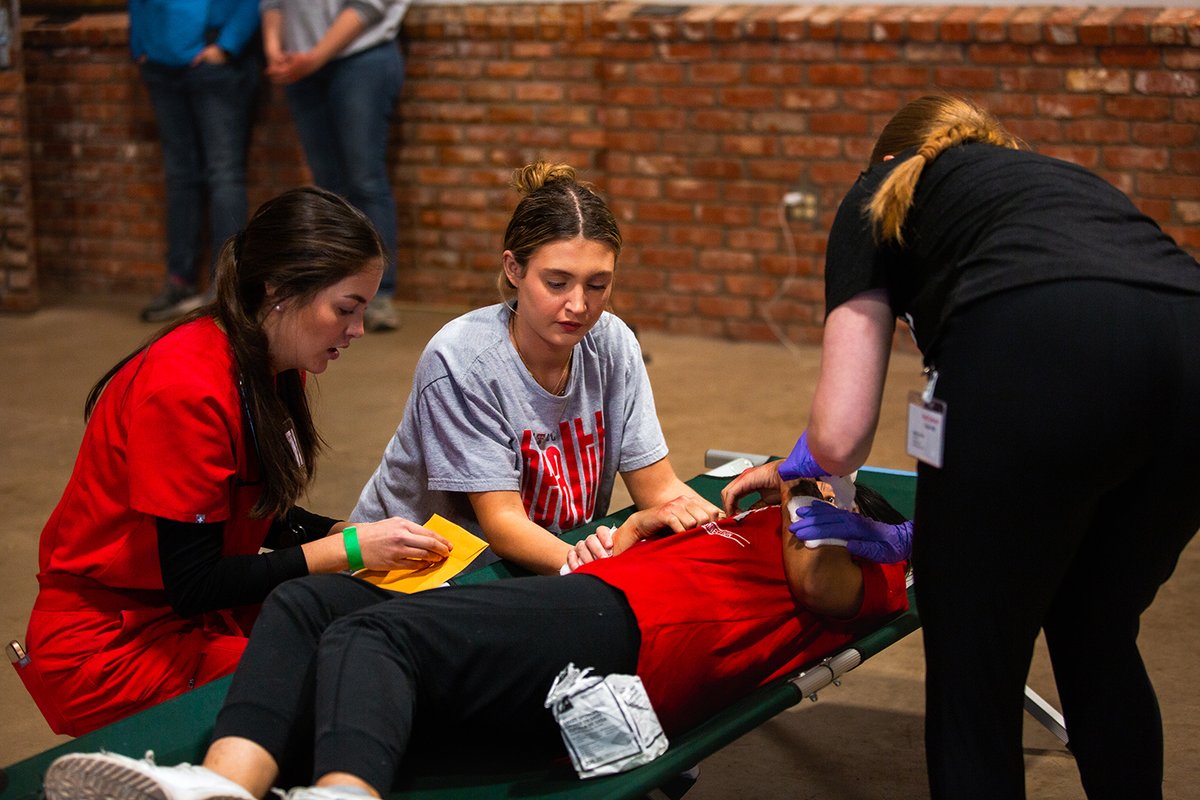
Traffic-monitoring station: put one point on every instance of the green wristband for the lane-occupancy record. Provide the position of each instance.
(353, 551)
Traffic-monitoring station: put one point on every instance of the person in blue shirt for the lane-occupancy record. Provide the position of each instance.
(201, 72)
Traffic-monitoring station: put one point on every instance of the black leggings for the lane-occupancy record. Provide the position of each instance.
(1070, 485)
(338, 672)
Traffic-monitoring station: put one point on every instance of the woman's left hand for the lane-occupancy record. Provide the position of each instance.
(596, 546)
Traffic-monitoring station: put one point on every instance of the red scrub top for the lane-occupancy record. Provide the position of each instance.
(717, 617)
(166, 439)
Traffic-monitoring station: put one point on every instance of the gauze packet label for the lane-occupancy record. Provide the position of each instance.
(607, 722)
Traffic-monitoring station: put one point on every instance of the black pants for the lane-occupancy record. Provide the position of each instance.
(1070, 485)
(339, 672)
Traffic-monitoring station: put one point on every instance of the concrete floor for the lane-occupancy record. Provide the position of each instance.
(862, 740)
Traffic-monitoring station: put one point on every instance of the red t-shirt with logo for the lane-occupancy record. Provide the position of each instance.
(717, 618)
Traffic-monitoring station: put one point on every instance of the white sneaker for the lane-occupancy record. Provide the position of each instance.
(322, 793)
(108, 776)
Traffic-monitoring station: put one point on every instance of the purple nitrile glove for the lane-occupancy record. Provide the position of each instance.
(869, 540)
(800, 462)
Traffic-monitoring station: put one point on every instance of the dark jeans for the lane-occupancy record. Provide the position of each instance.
(1068, 491)
(354, 668)
(343, 116)
(204, 115)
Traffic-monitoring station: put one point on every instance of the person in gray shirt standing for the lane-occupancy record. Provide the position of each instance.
(342, 71)
(523, 413)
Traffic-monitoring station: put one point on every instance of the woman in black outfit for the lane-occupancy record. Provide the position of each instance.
(1060, 328)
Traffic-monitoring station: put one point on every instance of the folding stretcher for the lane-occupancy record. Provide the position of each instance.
(179, 729)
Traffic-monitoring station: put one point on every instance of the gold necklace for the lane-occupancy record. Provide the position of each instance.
(566, 370)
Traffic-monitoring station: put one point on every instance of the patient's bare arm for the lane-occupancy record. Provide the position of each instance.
(823, 579)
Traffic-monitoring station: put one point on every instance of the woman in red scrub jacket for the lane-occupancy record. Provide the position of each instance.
(197, 447)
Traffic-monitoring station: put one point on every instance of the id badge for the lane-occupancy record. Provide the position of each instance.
(926, 425)
(926, 429)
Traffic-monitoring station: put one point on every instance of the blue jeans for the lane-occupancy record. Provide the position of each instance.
(343, 117)
(204, 115)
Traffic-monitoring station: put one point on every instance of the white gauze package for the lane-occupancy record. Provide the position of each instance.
(607, 722)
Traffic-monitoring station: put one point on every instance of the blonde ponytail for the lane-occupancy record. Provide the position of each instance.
(931, 124)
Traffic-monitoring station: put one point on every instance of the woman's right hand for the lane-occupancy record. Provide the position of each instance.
(763, 479)
(397, 543)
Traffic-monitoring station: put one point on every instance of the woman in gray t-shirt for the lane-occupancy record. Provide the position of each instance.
(522, 413)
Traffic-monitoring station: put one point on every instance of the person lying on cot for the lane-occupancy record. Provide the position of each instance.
(339, 673)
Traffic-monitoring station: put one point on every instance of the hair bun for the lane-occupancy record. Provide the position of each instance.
(531, 177)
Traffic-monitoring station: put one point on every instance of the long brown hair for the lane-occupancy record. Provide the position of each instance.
(298, 243)
(555, 206)
(930, 124)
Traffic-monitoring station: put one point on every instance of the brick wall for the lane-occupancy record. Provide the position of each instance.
(18, 267)
(694, 121)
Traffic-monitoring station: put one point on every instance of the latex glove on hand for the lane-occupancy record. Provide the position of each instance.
(800, 462)
(867, 539)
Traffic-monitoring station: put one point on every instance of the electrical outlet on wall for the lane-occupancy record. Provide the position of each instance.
(800, 205)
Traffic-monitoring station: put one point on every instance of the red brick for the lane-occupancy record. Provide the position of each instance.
(1170, 186)
(901, 76)
(1087, 157)
(837, 75)
(1030, 79)
(1167, 134)
(1095, 26)
(959, 24)
(965, 77)
(784, 74)
(714, 214)
(999, 53)
(1169, 83)
(1068, 106)
(1185, 162)
(716, 73)
(1063, 55)
(1134, 158)
(806, 99)
(718, 119)
(778, 122)
(725, 307)
(840, 124)
(1132, 26)
(868, 51)
(1131, 57)
(1106, 81)
(1146, 108)
(749, 145)
(749, 98)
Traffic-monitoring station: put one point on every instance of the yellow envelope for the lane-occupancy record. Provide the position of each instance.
(467, 547)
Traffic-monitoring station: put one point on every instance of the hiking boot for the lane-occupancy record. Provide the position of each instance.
(380, 315)
(108, 776)
(175, 300)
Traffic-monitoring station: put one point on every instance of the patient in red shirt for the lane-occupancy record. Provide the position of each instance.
(703, 617)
